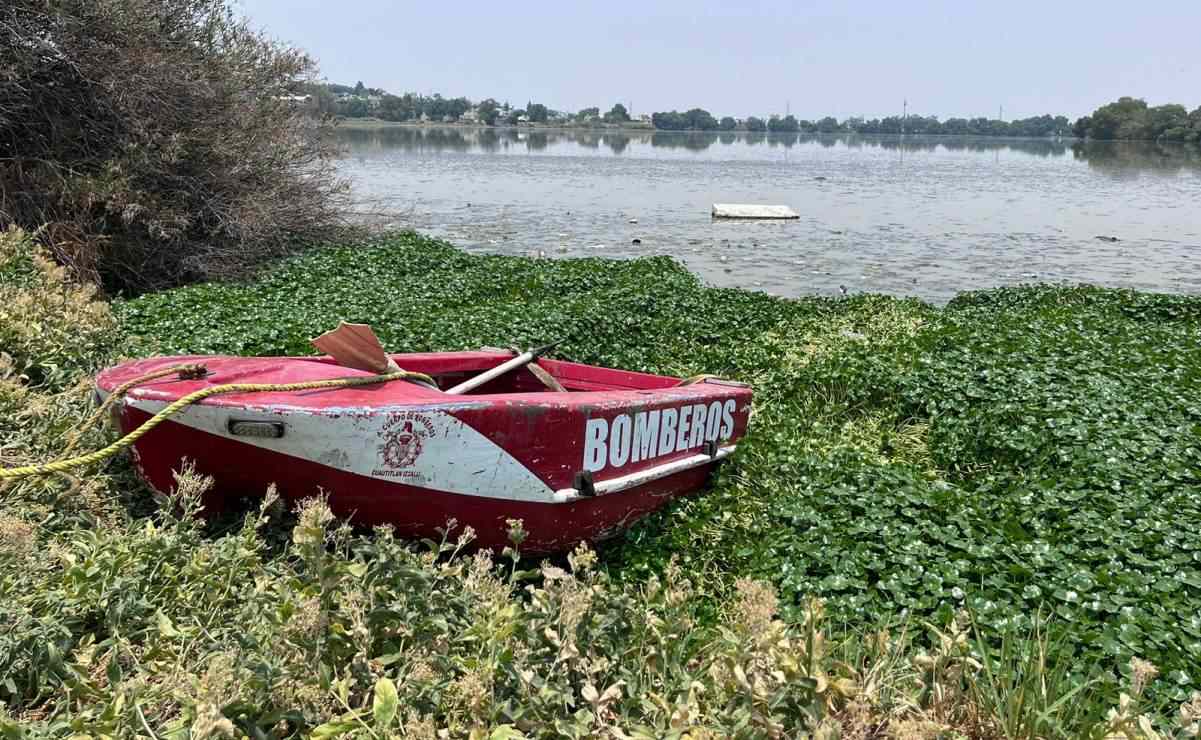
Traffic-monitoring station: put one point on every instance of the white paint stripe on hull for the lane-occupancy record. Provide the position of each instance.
(413, 446)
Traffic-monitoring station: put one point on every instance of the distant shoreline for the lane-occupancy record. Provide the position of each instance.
(372, 124)
(379, 123)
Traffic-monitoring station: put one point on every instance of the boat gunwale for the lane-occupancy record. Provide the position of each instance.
(416, 395)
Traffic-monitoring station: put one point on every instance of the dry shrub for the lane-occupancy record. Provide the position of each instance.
(17, 537)
(150, 138)
(53, 334)
(50, 327)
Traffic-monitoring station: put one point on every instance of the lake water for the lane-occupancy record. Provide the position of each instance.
(907, 216)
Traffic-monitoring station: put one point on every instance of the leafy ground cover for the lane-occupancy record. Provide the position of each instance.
(1019, 469)
(1021, 451)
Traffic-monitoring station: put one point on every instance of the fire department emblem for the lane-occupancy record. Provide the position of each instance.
(402, 448)
(402, 440)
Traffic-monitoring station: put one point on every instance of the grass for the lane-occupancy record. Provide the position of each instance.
(1009, 487)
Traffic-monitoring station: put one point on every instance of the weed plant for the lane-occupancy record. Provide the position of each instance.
(1020, 451)
(975, 521)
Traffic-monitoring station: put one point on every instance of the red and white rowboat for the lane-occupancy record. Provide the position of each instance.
(575, 465)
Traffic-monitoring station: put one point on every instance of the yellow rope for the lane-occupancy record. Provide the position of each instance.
(185, 372)
(60, 466)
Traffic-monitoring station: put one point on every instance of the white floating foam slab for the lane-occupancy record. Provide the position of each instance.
(750, 210)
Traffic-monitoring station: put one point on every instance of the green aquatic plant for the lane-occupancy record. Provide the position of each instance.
(994, 502)
(1020, 449)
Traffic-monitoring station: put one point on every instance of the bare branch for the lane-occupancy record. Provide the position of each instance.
(148, 135)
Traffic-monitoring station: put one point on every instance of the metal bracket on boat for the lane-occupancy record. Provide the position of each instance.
(584, 483)
(193, 372)
(262, 429)
(710, 448)
(633, 480)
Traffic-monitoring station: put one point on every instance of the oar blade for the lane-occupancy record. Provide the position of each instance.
(551, 382)
(355, 346)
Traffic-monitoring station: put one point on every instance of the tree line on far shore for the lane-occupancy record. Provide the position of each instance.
(699, 119)
(1132, 118)
(1128, 118)
(359, 101)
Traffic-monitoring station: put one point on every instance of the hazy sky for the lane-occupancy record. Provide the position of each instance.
(962, 58)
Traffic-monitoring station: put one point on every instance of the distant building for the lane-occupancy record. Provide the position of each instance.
(471, 116)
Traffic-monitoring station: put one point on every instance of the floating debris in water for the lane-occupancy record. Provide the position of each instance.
(752, 211)
(633, 221)
(1108, 238)
(635, 240)
(723, 258)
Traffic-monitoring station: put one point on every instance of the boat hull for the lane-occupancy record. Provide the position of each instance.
(243, 471)
(573, 466)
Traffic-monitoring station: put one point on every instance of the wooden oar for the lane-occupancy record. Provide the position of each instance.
(547, 379)
(520, 360)
(355, 346)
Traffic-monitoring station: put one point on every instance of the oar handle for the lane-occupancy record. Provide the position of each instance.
(520, 360)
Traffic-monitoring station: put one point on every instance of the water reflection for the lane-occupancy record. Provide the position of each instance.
(1123, 159)
(697, 141)
(914, 215)
(1117, 159)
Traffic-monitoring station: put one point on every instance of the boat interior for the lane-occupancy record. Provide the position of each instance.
(357, 346)
(541, 376)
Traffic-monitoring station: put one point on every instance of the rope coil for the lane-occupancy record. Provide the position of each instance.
(60, 466)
